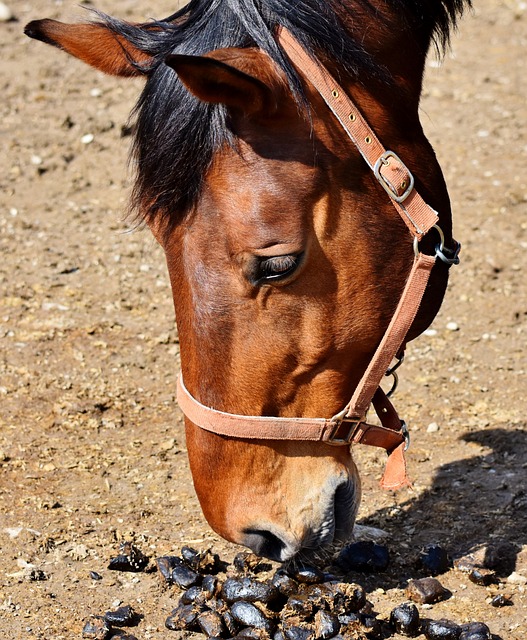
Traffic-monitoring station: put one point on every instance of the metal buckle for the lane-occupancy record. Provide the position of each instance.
(383, 161)
(338, 419)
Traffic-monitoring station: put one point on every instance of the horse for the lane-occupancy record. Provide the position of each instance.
(279, 157)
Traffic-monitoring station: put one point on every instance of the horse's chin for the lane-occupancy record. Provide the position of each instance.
(317, 545)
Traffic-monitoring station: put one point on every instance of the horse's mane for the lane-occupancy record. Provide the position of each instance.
(177, 135)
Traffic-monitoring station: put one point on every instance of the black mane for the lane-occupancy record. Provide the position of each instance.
(177, 135)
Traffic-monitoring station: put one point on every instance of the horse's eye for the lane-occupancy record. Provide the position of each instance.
(276, 268)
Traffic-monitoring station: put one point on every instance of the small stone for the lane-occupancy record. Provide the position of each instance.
(122, 617)
(405, 620)
(433, 427)
(482, 577)
(452, 326)
(517, 578)
(501, 600)
(211, 624)
(475, 631)
(96, 628)
(306, 574)
(248, 589)
(130, 558)
(426, 591)
(183, 617)
(88, 138)
(441, 630)
(5, 13)
(249, 615)
(326, 625)
(365, 556)
(435, 560)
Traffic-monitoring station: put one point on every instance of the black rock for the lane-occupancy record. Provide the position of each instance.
(326, 624)
(200, 561)
(183, 617)
(248, 589)
(482, 577)
(130, 558)
(434, 559)
(475, 631)
(95, 576)
(193, 595)
(426, 591)
(501, 600)
(306, 574)
(230, 623)
(298, 632)
(405, 620)
(96, 628)
(250, 616)
(211, 623)
(441, 630)
(346, 597)
(209, 586)
(284, 583)
(122, 617)
(175, 571)
(364, 556)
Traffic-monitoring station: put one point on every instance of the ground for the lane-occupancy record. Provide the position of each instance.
(92, 449)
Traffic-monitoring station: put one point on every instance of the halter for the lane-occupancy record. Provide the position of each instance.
(349, 425)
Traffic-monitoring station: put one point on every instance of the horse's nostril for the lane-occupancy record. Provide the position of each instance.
(267, 544)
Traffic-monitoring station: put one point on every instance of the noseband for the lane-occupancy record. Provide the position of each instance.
(349, 425)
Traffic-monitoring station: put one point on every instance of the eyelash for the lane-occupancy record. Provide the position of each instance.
(276, 268)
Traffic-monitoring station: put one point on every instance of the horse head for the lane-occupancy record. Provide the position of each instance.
(286, 257)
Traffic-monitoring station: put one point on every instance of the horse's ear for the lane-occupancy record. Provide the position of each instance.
(93, 43)
(230, 76)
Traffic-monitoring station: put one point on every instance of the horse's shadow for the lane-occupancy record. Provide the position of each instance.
(475, 505)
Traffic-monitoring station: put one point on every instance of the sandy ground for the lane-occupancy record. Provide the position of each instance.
(91, 441)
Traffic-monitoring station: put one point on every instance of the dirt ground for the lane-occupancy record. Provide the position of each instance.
(91, 440)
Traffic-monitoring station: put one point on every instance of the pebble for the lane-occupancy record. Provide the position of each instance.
(364, 556)
(434, 559)
(433, 427)
(122, 617)
(517, 578)
(501, 600)
(183, 617)
(248, 589)
(405, 620)
(482, 577)
(326, 624)
(211, 623)
(88, 138)
(475, 631)
(426, 591)
(249, 615)
(95, 576)
(441, 630)
(97, 628)
(452, 326)
(130, 558)
(5, 13)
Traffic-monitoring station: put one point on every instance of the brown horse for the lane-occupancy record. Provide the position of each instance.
(287, 259)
